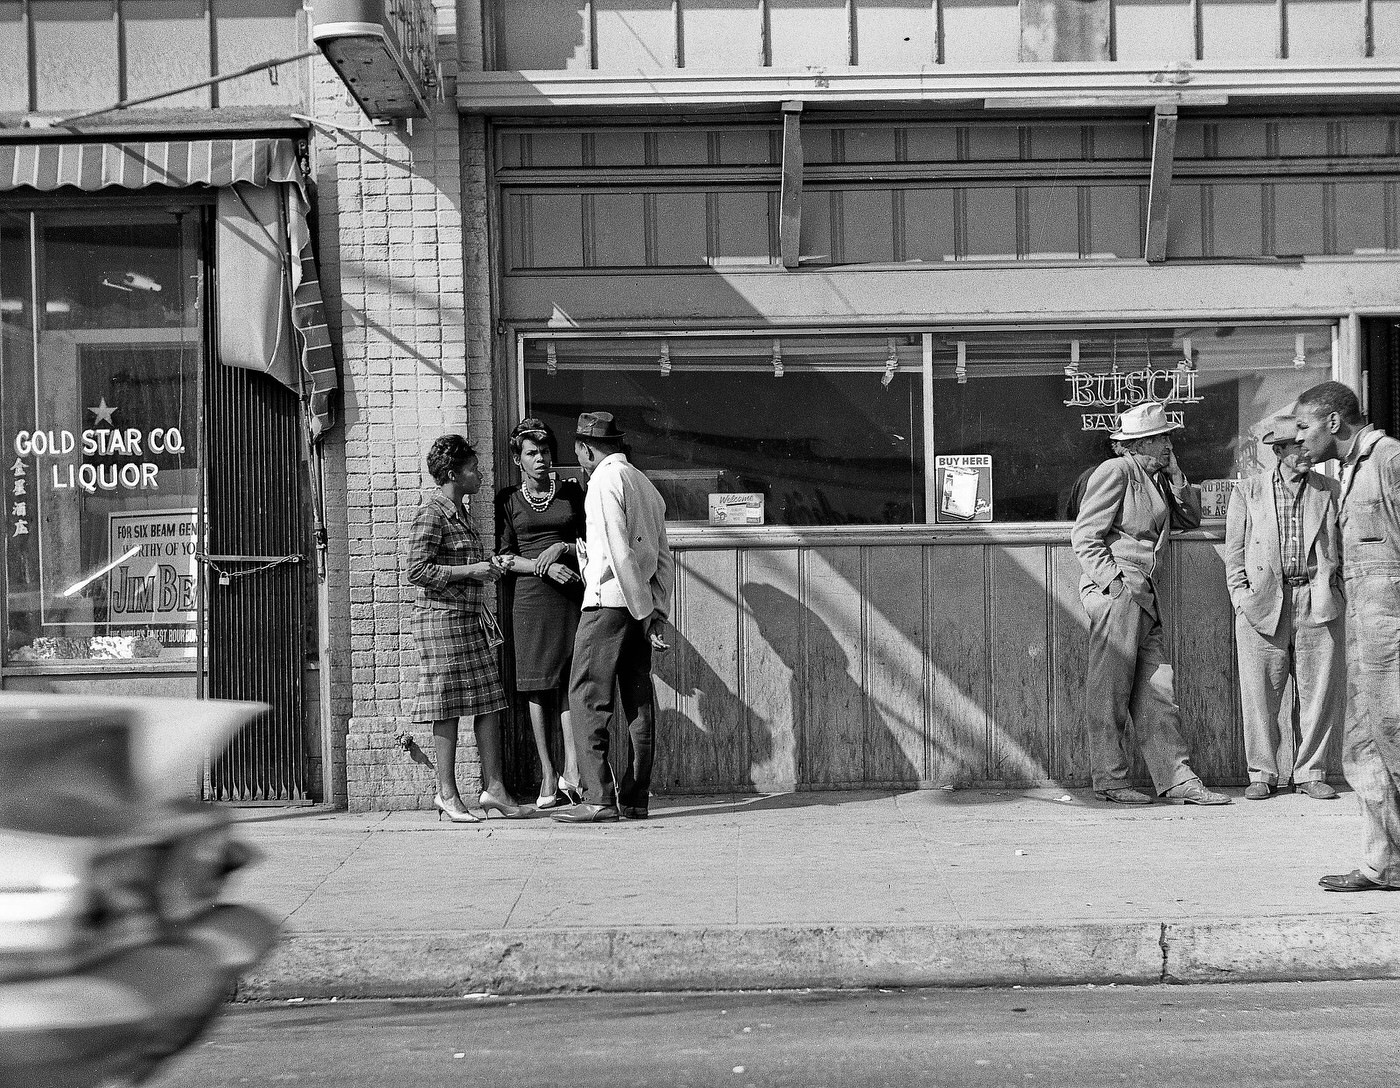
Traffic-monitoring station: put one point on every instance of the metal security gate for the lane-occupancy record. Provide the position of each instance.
(255, 581)
(1381, 339)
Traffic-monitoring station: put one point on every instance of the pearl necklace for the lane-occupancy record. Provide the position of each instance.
(540, 505)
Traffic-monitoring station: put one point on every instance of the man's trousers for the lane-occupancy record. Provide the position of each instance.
(612, 655)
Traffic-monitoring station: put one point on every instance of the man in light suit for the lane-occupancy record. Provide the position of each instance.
(1281, 551)
(1130, 505)
(627, 569)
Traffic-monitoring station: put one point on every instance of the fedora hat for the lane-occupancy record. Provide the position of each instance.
(597, 425)
(1143, 421)
(1281, 429)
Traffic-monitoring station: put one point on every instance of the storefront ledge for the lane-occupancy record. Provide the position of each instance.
(826, 956)
(1022, 86)
(699, 538)
(74, 670)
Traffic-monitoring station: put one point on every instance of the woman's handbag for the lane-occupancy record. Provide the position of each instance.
(491, 629)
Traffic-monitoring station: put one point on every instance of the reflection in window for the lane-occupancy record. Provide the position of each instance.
(99, 369)
(1043, 403)
(828, 442)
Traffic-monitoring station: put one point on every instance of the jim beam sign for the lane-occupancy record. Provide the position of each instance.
(1118, 391)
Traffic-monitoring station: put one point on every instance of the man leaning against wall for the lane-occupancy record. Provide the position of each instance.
(1281, 566)
(1330, 426)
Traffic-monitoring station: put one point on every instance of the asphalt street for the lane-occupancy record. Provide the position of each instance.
(1313, 1033)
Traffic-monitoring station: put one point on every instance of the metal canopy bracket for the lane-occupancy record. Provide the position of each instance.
(790, 195)
(1159, 189)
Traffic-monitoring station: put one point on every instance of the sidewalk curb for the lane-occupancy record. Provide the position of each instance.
(438, 964)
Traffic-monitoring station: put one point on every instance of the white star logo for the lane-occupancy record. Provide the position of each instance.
(103, 412)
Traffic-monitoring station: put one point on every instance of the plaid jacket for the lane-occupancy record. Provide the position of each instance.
(442, 538)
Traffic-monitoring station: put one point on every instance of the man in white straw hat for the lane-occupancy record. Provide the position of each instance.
(1282, 551)
(1130, 505)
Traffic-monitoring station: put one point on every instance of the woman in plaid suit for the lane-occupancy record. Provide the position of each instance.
(458, 676)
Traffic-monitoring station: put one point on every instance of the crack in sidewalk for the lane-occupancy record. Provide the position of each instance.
(322, 882)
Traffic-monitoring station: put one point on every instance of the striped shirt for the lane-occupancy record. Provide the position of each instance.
(1288, 502)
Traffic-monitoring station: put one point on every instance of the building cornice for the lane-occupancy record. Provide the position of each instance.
(1026, 86)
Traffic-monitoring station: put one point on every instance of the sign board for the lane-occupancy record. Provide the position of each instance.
(153, 582)
(385, 52)
(1215, 497)
(736, 508)
(964, 488)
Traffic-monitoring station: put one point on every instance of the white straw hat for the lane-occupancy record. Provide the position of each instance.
(1143, 421)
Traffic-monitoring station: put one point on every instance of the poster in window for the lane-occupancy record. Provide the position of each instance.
(152, 584)
(964, 488)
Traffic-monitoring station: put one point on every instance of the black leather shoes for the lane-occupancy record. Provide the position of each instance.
(1258, 791)
(1123, 796)
(1318, 791)
(1354, 881)
(585, 814)
(629, 813)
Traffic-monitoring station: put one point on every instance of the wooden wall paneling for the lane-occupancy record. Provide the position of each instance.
(933, 143)
(772, 663)
(808, 33)
(1021, 745)
(1238, 139)
(634, 34)
(1202, 620)
(981, 33)
(959, 695)
(874, 144)
(613, 147)
(895, 35)
(722, 35)
(1115, 220)
(249, 31)
(556, 230)
(1303, 138)
(702, 739)
(833, 748)
(1069, 656)
(928, 225)
(619, 230)
(1055, 31)
(896, 736)
(1236, 224)
(991, 223)
(546, 35)
(167, 45)
(517, 229)
(1053, 221)
(550, 148)
(1326, 29)
(991, 143)
(1239, 30)
(1385, 29)
(817, 245)
(680, 237)
(867, 226)
(741, 227)
(1184, 227)
(14, 58)
(1299, 219)
(1360, 216)
(63, 30)
(1153, 30)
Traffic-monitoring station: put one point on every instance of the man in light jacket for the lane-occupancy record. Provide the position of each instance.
(1281, 565)
(1330, 426)
(1130, 505)
(626, 599)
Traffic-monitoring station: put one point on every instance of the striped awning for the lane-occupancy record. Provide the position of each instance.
(175, 163)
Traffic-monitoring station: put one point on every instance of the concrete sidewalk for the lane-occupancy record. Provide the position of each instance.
(816, 890)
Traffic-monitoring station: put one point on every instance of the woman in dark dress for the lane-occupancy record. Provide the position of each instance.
(538, 524)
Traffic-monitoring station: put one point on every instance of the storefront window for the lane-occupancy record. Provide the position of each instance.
(101, 351)
(828, 429)
(1041, 404)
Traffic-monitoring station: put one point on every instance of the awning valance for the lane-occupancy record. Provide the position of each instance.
(135, 165)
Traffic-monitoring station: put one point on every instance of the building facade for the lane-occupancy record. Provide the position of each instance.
(867, 279)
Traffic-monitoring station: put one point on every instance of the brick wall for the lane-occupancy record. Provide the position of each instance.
(392, 208)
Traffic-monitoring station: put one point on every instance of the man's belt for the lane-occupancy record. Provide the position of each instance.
(1296, 580)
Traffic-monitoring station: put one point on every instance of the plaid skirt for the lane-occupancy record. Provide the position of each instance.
(458, 675)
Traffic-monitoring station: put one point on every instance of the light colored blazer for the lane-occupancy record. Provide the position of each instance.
(1254, 554)
(1123, 525)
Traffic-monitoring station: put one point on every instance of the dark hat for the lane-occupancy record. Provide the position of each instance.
(597, 425)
